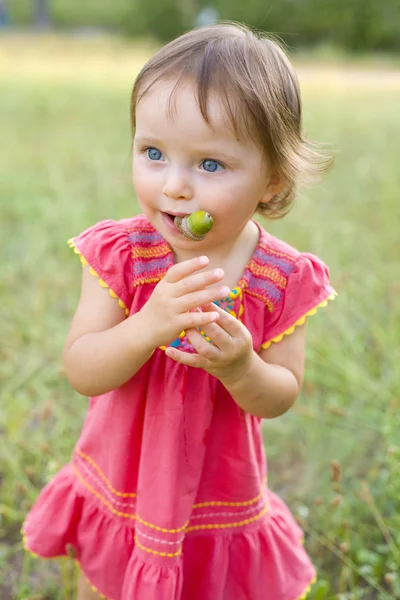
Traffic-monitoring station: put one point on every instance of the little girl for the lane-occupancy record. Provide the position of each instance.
(185, 346)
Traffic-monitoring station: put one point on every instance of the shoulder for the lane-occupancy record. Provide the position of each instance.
(280, 273)
(275, 256)
(291, 284)
(123, 254)
(130, 234)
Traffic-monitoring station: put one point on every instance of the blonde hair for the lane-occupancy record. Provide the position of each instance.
(259, 89)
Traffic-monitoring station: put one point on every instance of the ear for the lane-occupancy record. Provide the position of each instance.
(274, 187)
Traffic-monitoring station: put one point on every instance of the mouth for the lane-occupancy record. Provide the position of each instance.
(172, 215)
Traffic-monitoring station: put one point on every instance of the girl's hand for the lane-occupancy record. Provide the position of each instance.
(167, 310)
(229, 355)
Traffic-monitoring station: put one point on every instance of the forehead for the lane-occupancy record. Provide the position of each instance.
(176, 105)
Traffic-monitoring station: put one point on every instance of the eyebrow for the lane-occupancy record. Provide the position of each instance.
(147, 140)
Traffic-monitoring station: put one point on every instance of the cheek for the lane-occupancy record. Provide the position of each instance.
(237, 197)
(145, 185)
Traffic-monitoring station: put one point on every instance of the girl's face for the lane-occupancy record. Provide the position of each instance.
(181, 164)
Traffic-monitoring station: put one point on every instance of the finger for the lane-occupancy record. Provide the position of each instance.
(198, 282)
(228, 322)
(220, 338)
(182, 269)
(198, 318)
(184, 358)
(205, 347)
(201, 297)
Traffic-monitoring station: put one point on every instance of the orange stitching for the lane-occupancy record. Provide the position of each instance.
(244, 503)
(162, 528)
(277, 252)
(155, 551)
(194, 506)
(156, 527)
(103, 489)
(271, 273)
(227, 514)
(142, 280)
(91, 461)
(227, 525)
(125, 515)
(100, 497)
(267, 302)
(158, 251)
(25, 543)
(93, 588)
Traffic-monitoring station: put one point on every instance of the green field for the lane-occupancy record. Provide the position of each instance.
(64, 122)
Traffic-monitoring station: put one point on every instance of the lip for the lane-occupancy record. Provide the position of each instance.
(175, 213)
(169, 223)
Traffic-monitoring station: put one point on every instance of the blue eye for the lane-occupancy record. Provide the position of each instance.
(153, 153)
(211, 165)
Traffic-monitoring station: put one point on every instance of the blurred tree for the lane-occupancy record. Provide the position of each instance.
(352, 24)
(42, 14)
(164, 19)
(5, 20)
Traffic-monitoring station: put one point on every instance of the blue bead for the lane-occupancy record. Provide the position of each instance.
(176, 343)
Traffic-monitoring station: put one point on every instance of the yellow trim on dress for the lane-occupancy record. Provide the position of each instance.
(194, 506)
(104, 478)
(244, 503)
(94, 589)
(300, 321)
(184, 527)
(228, 525)
(308, 589)
(100, 497)
(150, 551)
(103, 284)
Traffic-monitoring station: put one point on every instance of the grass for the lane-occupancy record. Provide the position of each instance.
(335, 457)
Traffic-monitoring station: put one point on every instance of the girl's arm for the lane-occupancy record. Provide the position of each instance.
(103, 348)
(273, 380)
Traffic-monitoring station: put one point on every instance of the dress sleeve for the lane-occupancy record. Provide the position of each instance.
(105, 247)
(307, 289)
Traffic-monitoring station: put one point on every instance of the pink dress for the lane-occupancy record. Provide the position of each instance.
(166, 496)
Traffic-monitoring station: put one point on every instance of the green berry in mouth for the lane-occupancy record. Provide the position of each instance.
(196, 225)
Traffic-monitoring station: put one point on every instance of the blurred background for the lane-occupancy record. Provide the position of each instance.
(66, 72)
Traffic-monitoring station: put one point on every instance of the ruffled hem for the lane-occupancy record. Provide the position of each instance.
(103, 284)
(300, 321)
(213, 566)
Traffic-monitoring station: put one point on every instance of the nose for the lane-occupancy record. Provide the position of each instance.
(177, 185)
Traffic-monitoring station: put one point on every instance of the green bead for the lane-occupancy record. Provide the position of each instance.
(200, 222)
